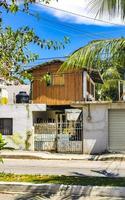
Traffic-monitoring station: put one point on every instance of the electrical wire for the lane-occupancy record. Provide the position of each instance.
(33, 14)
(49, 58)
(70, 27)
(91, 35)
(80, 15)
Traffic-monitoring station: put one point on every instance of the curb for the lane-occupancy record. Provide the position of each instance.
(21, 157)
(87, 158)
(71, 190)
(59, 156)
(35, 157)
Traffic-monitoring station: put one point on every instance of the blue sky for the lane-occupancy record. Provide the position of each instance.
(55, 25)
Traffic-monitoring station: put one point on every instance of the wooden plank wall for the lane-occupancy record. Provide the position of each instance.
(65, 94)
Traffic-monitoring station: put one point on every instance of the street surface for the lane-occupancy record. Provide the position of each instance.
(60, 167)
(64, 167)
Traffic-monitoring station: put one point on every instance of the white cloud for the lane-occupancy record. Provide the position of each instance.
(79, 7)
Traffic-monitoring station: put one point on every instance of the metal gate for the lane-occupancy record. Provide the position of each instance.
(66, 137)
(117, 130)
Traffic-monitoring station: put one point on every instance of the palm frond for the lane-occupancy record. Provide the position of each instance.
(112, 7)
(111, 74)
(94, 54)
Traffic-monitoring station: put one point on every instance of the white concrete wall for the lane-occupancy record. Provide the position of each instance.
(95, 128)
(95, 124)
(22, 115)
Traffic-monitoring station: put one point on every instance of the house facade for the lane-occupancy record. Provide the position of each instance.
(73, 124)
(60, 128)
(103, 128)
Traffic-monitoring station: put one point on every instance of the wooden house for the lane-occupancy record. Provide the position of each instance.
(54, 89)
(60, 128)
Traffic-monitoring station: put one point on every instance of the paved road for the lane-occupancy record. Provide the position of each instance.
(64, 167)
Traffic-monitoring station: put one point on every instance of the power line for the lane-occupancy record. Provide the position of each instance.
(33, 14)
(91, 35)
(76, 14)
(53, 57)
(72, 28)
(86, 33)
(45, 58)
(65, 31)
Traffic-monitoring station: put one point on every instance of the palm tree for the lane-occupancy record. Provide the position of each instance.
(113, 7)
(95, 53)
(105, 55)
(108, 56)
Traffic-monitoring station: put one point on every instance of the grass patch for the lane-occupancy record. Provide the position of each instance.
(66, 180)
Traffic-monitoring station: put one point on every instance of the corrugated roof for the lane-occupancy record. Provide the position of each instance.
(45, 64)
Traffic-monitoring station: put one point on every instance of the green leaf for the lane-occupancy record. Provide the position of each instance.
(13, 8)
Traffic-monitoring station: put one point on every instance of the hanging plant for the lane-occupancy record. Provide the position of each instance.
(47, 78)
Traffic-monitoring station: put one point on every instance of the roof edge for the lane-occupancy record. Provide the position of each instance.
(45, 64)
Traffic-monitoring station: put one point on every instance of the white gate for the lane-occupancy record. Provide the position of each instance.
(59, 137)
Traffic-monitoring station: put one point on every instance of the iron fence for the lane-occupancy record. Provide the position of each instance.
(60, 137)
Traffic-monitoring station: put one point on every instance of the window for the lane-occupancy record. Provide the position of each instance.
(6, 126)
(90, 86)
(92, 89)
(58, 79)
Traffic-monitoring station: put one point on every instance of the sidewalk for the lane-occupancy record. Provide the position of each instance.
(56, 191)
(58, 156)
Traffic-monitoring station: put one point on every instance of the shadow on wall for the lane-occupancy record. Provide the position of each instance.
(94, 146)
(19, 142)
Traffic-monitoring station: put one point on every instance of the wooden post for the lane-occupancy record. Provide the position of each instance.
(119, 90)
(85, 85)
(33, 135)
(83, 131)
(56, 140)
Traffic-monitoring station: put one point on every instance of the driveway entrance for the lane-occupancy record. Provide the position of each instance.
(59, 137)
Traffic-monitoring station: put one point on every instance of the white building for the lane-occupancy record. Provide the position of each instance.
(9, 90)
(16, 124)
(103, 127)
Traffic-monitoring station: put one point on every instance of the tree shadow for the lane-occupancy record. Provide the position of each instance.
(78, 174)
(55, 192)
(106, 173)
